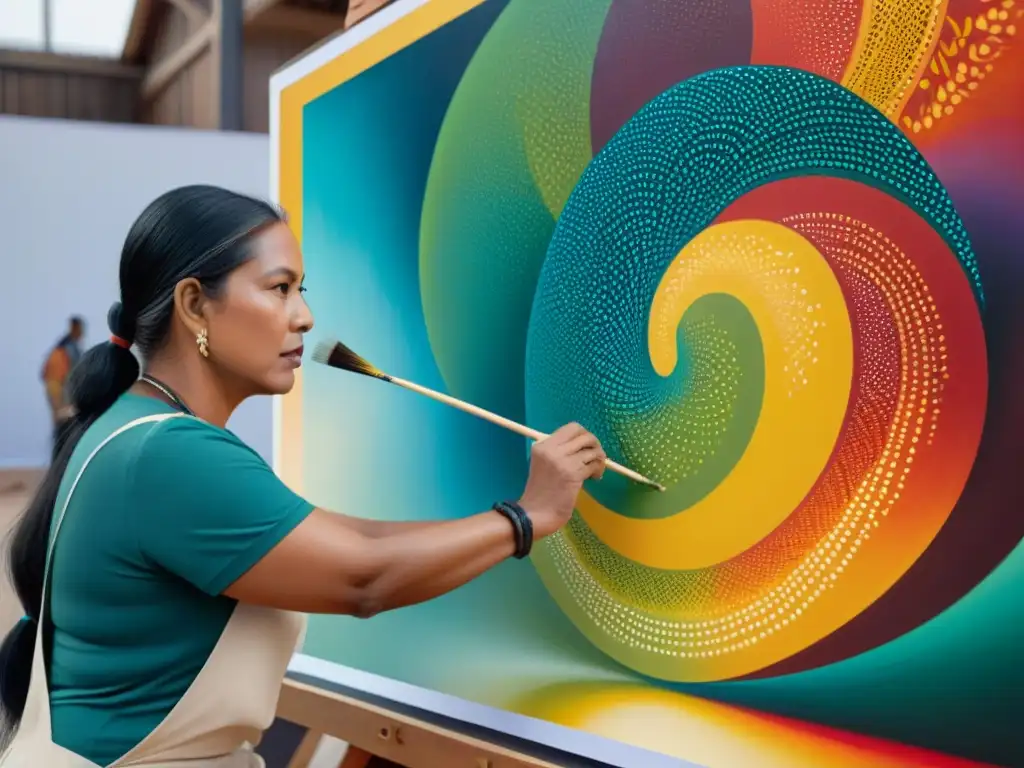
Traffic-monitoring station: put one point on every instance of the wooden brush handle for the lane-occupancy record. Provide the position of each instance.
(501, 421)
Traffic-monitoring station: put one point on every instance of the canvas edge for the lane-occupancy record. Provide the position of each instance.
(588, 746)
(274, 176)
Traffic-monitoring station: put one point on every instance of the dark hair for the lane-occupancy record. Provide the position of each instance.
(76, 320)
(201, 232)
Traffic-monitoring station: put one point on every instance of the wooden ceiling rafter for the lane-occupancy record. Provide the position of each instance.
(164, 71)
(193, 11)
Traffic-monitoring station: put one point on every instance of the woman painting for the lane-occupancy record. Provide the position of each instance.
(163, 567)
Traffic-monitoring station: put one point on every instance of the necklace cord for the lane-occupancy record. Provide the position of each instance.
(167, 392)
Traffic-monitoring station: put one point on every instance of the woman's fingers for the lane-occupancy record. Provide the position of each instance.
(582, 442)
(565, 434)
(581, 451)
(591, 463)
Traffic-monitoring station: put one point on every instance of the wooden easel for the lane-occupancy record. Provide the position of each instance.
(374, 733)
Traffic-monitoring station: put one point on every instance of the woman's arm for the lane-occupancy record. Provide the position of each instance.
(375, 529)
(327, 565)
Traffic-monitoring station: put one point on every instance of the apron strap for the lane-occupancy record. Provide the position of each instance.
(67, 500)
(34, 728)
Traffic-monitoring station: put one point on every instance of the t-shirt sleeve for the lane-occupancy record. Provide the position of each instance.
(209, 507)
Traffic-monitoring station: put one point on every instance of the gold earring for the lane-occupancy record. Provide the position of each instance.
(203, 342)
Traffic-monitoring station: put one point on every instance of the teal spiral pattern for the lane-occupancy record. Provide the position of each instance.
(661, 180)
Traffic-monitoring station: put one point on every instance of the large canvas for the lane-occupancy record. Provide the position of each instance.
(769, 251)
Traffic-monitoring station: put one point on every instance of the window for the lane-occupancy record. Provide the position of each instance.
(91, 27)
(21, 24)
(86, 27)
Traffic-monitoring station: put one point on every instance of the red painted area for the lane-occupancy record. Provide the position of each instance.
(814, 35)
(931, 490)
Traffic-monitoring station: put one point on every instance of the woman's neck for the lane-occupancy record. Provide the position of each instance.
(198, 387)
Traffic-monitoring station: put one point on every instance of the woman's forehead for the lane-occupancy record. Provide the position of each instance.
(276, 249)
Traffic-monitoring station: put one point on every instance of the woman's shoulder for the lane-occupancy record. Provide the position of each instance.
(142, 436)
(186, 438)
(170, 450)
(155, 425)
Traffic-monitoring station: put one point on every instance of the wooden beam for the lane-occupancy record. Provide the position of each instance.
(164, 71)
(254, 8)
(307, 749)
(194, 12)
(137, 28)
(142, 16)
(286, 18)
(40, 61)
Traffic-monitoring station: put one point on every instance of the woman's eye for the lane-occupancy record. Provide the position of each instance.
(282, 287)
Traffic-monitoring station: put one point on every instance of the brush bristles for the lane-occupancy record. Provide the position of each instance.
(337, 355)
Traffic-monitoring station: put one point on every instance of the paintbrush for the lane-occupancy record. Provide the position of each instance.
(337, 355)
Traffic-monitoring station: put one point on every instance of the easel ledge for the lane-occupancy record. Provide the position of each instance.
(373, 731)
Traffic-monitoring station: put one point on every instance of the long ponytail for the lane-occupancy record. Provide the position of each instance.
(103, 374)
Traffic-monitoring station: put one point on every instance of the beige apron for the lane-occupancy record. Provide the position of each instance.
(218, 720)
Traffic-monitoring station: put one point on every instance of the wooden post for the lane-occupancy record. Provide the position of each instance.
(48, 25)
(229, 63)
(307, 748)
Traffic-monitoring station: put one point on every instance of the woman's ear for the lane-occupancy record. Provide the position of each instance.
(190, 304)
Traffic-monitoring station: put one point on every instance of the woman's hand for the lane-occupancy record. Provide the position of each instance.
(558, 466)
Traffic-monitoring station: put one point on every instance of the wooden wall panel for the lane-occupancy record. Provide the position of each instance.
(54, 95)
(189, 99)
(70, 94)
(167, 106)
(265, 52)
(203, 95)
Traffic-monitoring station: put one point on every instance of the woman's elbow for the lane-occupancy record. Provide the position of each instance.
(365, 594)
(366, 605)
(369, 580)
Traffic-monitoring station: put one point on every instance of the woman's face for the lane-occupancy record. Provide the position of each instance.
(256, 324)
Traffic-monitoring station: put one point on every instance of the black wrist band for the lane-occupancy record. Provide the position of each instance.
(527, 524)
(521, 524)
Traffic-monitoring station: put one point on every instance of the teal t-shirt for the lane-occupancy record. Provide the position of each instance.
(165, 518)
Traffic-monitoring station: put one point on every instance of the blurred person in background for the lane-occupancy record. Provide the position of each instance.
(59, 362)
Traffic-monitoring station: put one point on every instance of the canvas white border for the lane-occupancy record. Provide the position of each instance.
(585, 745)
(289, 75)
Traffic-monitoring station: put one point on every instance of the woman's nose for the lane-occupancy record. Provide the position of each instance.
(303, 320)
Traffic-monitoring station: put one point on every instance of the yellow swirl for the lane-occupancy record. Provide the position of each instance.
(799, 309)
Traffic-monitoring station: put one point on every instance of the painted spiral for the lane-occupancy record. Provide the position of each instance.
(705, 236)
